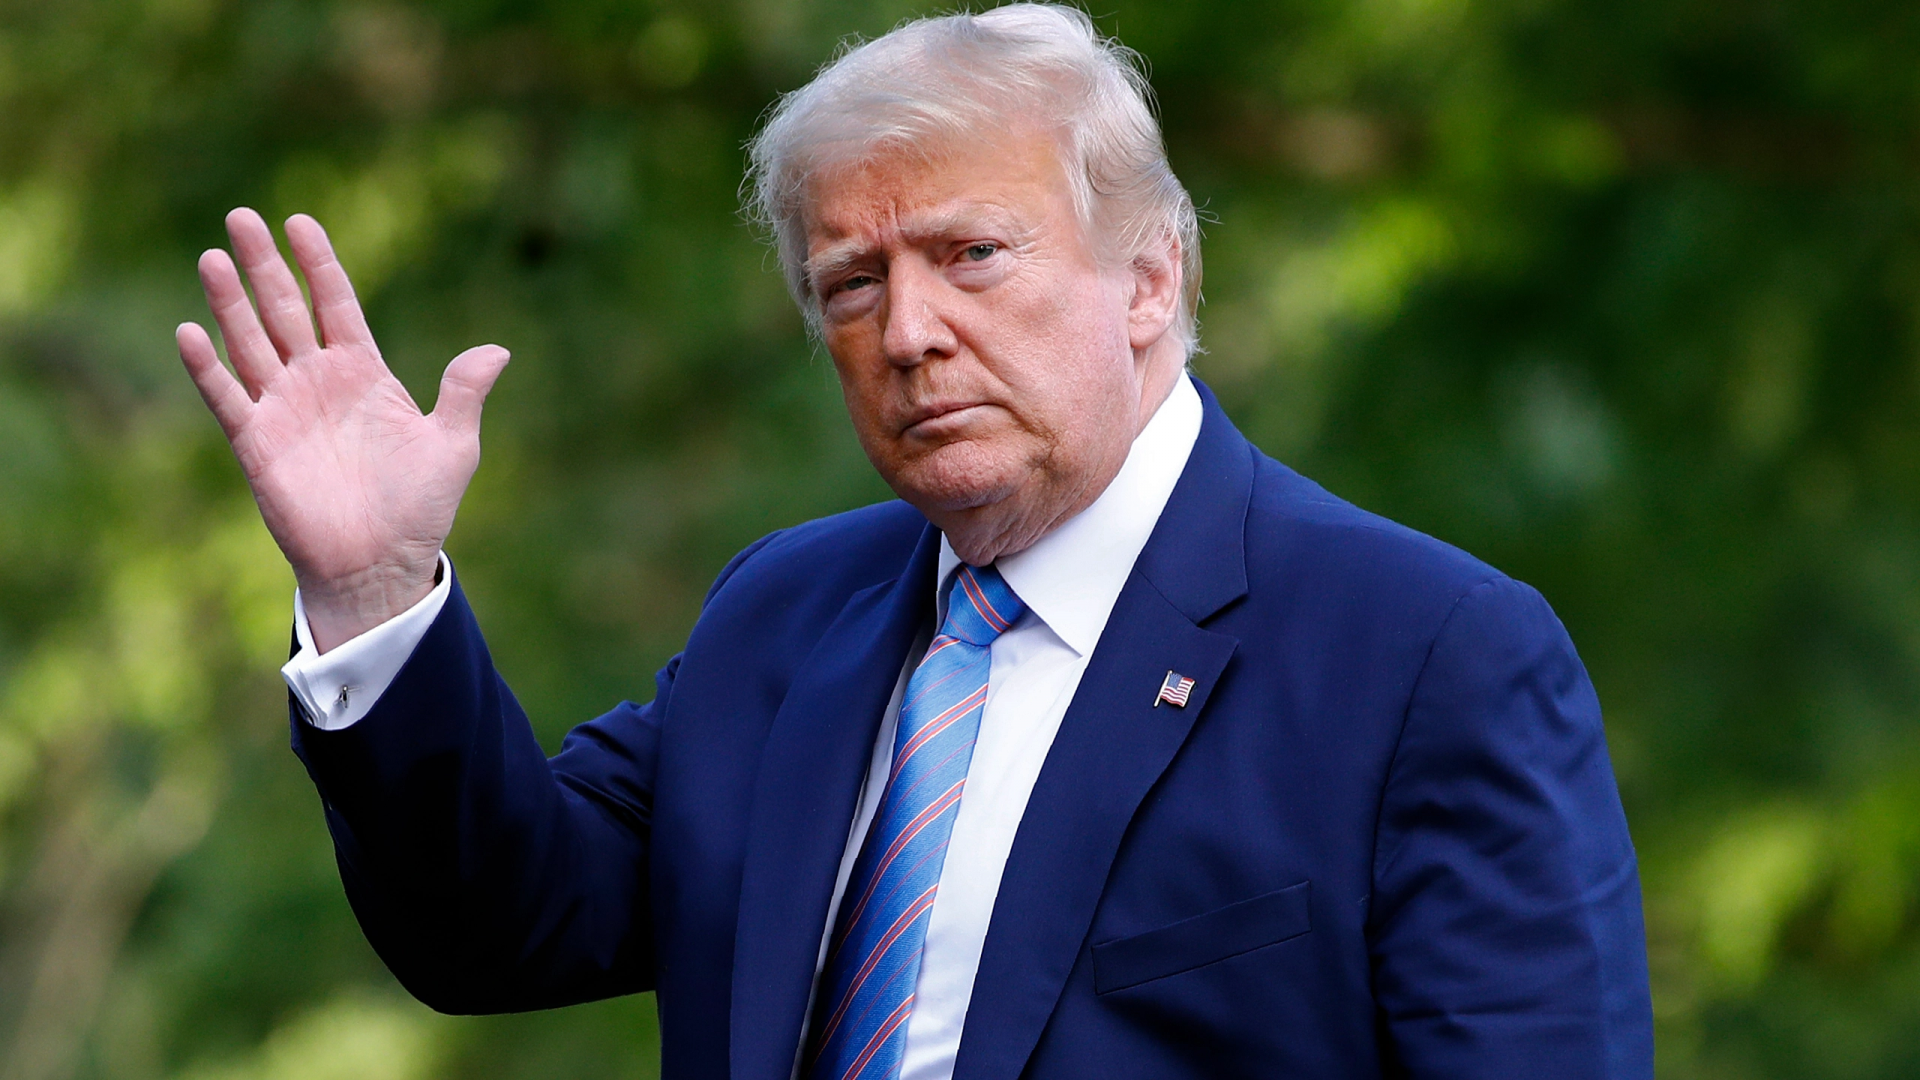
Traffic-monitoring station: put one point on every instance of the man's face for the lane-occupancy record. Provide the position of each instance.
(989, 361)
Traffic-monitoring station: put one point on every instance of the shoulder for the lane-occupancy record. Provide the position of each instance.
(1445, 639)
(818, 563)
(1302, 539)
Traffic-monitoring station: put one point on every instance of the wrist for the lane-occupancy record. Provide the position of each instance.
(341, 608)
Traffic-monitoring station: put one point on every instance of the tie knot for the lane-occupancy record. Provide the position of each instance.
(980, 605)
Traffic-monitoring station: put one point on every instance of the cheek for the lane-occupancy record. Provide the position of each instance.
(858, 371)
(1075, 356)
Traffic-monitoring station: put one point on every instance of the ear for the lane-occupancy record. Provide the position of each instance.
(1156, 292)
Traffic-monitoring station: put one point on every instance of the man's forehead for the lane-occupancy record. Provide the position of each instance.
(923, 195)
(839, 225)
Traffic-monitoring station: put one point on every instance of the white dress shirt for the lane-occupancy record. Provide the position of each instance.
(1069, 581)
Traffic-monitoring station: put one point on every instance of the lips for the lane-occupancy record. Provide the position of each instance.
(932, 415)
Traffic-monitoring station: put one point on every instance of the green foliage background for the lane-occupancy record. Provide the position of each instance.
(1618, 294)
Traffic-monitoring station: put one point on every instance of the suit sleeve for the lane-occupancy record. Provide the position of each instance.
(488, 877)
(1506, 927)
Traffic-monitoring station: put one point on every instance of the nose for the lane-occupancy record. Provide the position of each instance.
(917, 327)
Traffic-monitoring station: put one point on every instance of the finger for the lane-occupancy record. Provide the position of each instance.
(463, 389)
(334, 306)
(252, 353)
(218, 388)
(283, 311)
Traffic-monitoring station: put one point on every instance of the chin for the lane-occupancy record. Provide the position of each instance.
(955, 478)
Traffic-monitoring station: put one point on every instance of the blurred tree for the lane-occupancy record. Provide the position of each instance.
(1619, 296)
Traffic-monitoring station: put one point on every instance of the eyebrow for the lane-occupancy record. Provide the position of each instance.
(831, 261)
(842, 254)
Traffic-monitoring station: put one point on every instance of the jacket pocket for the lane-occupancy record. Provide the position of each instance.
(1203, 939)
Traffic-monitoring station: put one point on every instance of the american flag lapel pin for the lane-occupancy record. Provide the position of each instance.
(1174, 690)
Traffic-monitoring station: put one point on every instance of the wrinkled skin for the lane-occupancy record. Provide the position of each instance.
(995, 367)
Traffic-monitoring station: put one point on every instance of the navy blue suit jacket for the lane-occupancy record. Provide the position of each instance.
(1382, 838)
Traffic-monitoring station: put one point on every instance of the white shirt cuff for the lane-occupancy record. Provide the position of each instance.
(336, 688)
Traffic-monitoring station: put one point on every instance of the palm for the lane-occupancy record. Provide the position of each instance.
(344, 465)
(358, 487)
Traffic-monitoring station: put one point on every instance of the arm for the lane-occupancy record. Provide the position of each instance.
(1506, 927)
(442, 793)
(488, 878)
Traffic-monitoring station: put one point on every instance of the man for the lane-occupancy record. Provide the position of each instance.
(1113, 749)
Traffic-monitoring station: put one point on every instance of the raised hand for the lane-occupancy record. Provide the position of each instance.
(357, 486)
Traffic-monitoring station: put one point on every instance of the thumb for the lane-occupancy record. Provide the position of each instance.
(463, 389)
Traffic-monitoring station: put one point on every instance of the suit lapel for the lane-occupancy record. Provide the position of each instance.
(811, 773)
(1112, 746)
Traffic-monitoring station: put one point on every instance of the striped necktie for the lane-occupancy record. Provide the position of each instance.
(866, 990)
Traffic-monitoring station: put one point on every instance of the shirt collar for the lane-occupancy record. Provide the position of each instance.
(1071, 577)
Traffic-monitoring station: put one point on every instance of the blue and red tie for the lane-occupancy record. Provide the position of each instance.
(873, 962)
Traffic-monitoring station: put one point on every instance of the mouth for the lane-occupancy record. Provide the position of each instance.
(941, 418)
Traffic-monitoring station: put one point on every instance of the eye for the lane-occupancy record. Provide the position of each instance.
(979, 252)
(857, 281)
